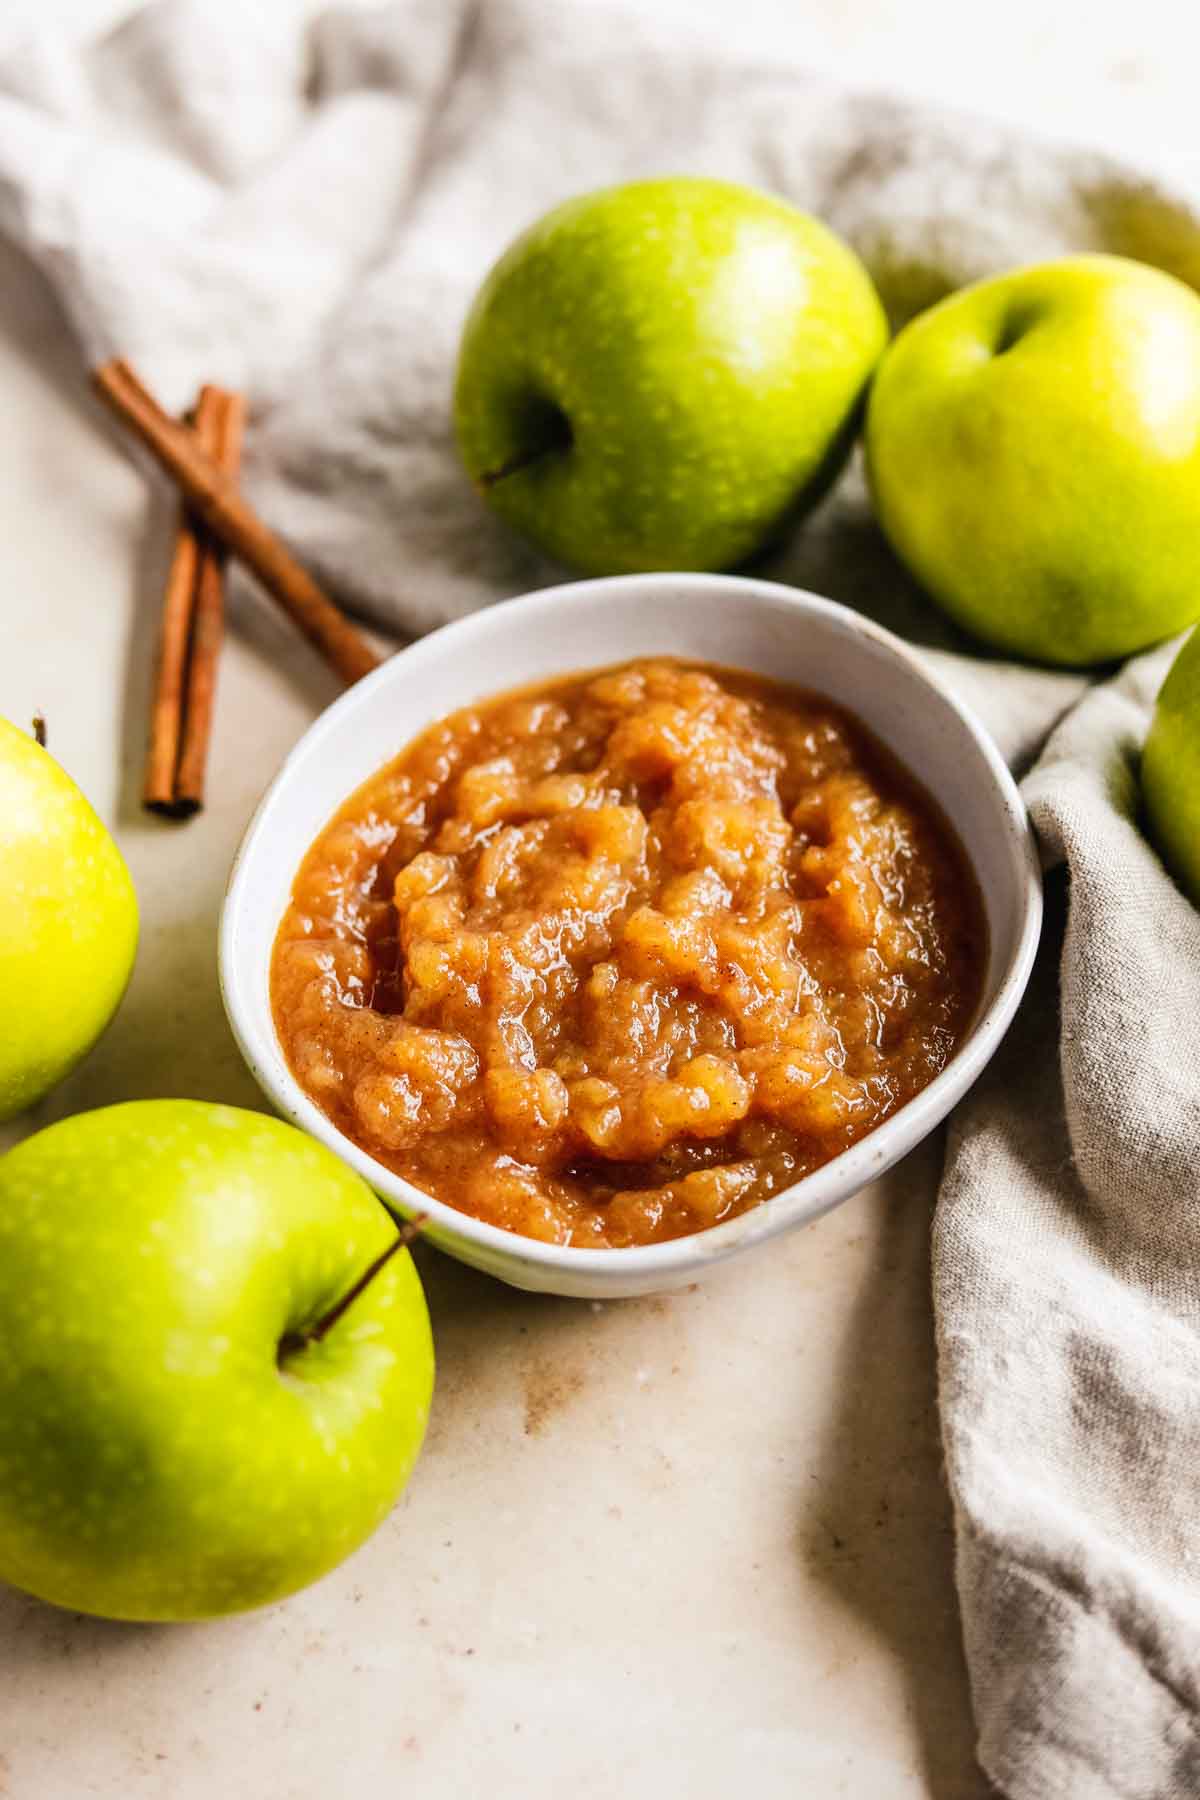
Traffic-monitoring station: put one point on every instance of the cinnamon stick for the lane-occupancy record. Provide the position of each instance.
(215, 499)
(208, 616)
(175, 634)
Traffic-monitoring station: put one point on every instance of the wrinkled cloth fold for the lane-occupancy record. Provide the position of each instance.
(307, 221)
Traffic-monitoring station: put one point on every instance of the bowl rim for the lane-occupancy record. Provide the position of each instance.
(806, 1199)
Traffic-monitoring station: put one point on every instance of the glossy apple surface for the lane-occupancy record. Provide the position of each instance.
(170, 1446)
(683, 359)
(68, 922)
(1171, 770)
(1033, 446)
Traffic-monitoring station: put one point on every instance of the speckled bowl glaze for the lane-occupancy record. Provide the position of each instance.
(753, 625)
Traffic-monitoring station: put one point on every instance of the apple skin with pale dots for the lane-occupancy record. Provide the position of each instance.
(1170, 770)
(1033, 449)
(682, 360)
(68, 922)
(170, 1445)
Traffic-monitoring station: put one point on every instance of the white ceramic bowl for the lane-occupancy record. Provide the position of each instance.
(754, 625)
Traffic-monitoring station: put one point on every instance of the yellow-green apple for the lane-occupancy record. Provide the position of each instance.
(68, 922)
(1171, 769)
(661, 375)
(1033, 446)
(192, 1419)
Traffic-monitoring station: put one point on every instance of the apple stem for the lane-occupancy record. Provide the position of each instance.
(523, 459)
(39, 729)
(295, 1341)
(554, 430)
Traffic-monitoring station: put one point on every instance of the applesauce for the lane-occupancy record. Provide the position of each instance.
(609, 960)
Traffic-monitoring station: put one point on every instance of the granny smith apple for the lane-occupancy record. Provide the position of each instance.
(188, 1425)
(660, 375)
(68, 922)
(1171, 769)
(1033, 446)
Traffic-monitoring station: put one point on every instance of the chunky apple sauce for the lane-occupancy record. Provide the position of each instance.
(610, 960)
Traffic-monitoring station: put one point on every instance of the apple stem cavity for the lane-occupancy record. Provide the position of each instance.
(293, 1342)
(39, 729)
(556, 438)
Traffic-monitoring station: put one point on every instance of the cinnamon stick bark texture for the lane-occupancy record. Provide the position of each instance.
(208, 616)
(175, 633)
(216, 501)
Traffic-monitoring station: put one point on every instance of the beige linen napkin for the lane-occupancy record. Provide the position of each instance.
(1067, 1280)
(308, 222)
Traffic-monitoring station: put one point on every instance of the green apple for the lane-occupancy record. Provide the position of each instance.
(177, 1439)
(1033, 446)
(68, 922)
(661, 375)
(1171, 769)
